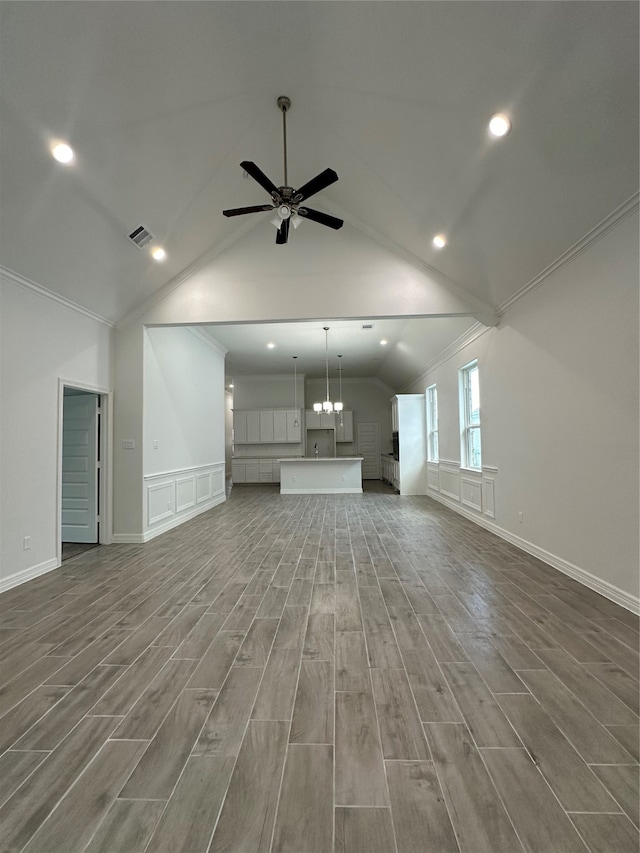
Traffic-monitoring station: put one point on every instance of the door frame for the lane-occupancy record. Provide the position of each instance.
(105, 488)
(369, 423)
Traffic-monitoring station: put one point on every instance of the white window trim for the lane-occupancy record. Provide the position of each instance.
(431, 396)
(465, 427)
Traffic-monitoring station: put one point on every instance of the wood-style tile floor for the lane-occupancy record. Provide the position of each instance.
(322, 674)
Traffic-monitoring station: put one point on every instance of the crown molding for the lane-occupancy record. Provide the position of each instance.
(466, 338)
(207, 339)
(621, 213)
(626, 209)
(20, 281)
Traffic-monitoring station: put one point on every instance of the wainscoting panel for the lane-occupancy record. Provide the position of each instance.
(450, 480)
(433, 476)
(174, 497)
(488, 496)
(203, 487)
(185, 493)
(159, 502)
(471, 492)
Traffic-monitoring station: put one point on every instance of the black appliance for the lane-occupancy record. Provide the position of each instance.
(396, 445)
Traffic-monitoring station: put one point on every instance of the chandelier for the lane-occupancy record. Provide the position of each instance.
(327, 406)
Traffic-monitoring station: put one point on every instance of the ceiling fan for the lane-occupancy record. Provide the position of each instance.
(285, 200)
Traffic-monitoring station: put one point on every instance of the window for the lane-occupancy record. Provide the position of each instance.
(432, 424)
(470, 450)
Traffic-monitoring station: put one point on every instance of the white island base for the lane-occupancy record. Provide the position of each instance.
(340, 475)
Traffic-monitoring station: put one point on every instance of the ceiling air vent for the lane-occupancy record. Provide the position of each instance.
(141, 237)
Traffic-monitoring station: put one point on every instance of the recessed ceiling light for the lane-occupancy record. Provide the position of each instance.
(439, 241)
(500, 125)
(270, 346)
(62, 152)
(383, 343)
(158, 254)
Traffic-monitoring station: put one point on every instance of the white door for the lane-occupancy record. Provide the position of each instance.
(369, 449)
(80, 468)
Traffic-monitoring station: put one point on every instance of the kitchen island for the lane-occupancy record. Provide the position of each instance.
(329, 475)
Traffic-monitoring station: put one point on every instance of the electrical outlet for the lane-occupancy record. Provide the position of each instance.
(521, 517)
(26, 543)
(156, 444)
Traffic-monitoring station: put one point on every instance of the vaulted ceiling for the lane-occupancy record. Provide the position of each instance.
(161, 101)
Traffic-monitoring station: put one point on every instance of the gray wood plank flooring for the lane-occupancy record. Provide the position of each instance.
(317, 674)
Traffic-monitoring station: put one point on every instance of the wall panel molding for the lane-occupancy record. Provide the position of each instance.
(173, 497)
(471, 492)
(185, 493)
(488, 496)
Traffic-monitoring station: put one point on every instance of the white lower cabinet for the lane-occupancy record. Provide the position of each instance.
(390, 471)
(265, 471)
(255, 471)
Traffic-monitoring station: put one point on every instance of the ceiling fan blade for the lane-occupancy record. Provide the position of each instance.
(322, 218)
(259, 176)
(238, 211)
(283, 233)
(324, 179)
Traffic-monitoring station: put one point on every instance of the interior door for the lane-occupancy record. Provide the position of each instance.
(80, 468)
(369, 448)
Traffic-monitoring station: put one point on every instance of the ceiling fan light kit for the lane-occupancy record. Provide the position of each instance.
(285, 200)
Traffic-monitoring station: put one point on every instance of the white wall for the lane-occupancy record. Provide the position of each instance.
(42, 340)
(333, 275)
(273, 391)
(183, 400)
(559, 409)
(183, 435)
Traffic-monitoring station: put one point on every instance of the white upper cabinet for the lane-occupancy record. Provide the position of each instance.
(240, 428)
(294, 428)
(266, 426)
(319, 420)
(344, 430)
(394, 414)
(280, 427)
(253, 427)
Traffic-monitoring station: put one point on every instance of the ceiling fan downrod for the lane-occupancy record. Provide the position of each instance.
(284, 105)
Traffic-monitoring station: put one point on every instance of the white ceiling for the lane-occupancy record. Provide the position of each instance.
(162, 100)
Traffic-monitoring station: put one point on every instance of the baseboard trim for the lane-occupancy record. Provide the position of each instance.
(320, 491)
(28, 574)
(608, 590)
(127, 539)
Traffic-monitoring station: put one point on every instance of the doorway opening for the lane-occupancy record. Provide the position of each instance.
(82, 472)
